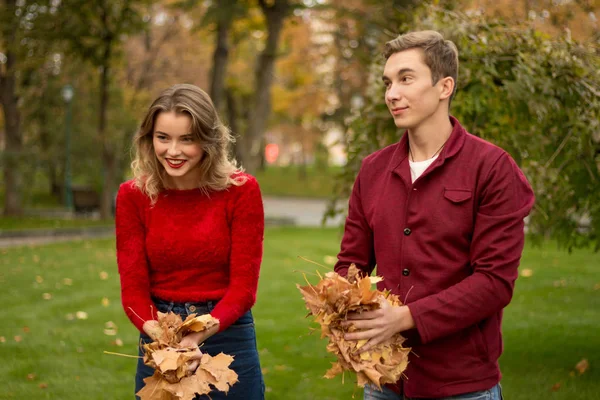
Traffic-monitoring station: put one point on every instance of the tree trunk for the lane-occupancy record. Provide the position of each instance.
(108, 156)
(12, 123)
(261, 107)
(220, 59)
(233, 118)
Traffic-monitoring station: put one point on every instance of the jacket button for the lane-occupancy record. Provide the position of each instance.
(406, 272)
(192, 308)
(407, 231)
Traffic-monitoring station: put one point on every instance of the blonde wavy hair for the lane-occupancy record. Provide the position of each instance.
(217, 169)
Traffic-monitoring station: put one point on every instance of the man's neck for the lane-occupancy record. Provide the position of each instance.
(428, 139)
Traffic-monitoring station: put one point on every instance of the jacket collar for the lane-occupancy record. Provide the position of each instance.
(452, 147)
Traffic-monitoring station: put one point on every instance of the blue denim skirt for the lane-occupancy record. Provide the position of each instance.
(239, 341)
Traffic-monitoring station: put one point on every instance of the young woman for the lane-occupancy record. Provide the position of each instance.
(190, 233)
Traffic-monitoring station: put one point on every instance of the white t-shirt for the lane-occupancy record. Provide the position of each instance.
(418, 167)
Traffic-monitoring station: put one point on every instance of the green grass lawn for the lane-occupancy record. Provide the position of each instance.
(20, 223)
(287, 181)
(552, 323)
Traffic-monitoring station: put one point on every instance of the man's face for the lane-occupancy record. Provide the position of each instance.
(409, 94)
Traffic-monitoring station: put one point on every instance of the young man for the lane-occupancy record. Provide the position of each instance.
(441, 215)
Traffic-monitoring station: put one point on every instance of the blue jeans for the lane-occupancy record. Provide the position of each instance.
(372, 393)
(239, 341)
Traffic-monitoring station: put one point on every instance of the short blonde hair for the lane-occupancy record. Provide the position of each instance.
(440, 55)
(217, 169)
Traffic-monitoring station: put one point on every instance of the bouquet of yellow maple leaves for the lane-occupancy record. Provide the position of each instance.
(330, 301)
(172, 379)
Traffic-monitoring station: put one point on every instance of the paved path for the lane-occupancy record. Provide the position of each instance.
(278, 211)
(303, 212)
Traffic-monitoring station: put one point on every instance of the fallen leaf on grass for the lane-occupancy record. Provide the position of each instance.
(30, 377)
(2, 339)
(18, 338)
(81, 315)
(330, 260)
(26, 329)
(39, 279)
(67, 281)
(46, 296)
(582, 366)
(43, 385)
(117, 342)
(104, 275)
(110, 332)
(555, 387)
(36, 258)
(70, 317)
(105, 302)
(560, 283)
(526, 273)
(597, 286)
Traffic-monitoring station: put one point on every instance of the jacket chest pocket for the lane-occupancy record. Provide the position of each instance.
(455, 209)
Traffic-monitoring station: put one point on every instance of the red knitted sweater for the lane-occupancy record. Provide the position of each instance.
(190, 247)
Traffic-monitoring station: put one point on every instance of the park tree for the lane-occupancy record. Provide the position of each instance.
(95, 31)
(24, 48)
(301, 90)
(275, 13)
(535, 95)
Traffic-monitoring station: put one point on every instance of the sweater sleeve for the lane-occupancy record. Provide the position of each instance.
(131, 256)
(247, 235)
(496, 249)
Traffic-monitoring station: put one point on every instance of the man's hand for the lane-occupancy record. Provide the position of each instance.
(379, 325)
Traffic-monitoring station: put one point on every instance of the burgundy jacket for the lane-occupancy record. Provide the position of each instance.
(449, 246)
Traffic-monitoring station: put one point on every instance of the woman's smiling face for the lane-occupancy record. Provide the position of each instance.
(177, 149)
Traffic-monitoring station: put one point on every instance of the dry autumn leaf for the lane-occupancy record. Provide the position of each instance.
(81, 315)
(172, 380)
(526, 273)
(329, 302)
(582, 366)
(556, 387)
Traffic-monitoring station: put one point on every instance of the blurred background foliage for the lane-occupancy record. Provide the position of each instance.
(299, 84)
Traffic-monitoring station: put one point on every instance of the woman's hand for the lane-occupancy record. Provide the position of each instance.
(152, 329)
(194, 339)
